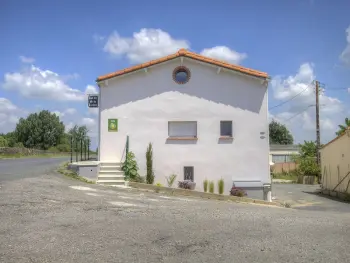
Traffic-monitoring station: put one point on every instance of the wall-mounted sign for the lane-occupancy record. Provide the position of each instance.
(93, 101)
(112, 125)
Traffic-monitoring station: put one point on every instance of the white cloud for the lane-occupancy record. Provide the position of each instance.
(92, 126)
(90, 89)
(345, 55)
(299, 112)
(9, 115)
(26, 59)
(70, 111)
(150, 43)
(33, 82)
(145, 45)
(93, 111)
(225, 54)
(58, 113)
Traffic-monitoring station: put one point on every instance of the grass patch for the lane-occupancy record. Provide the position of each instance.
(63, 169)
(18, 155)
(292, 177)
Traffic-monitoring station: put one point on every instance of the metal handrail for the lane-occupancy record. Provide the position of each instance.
(126, 149)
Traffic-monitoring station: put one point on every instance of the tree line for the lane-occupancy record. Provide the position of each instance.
(45, 131)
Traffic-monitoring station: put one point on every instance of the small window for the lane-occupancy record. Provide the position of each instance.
(226, 128)
(181, 75)
(189, 173)
(182, 129)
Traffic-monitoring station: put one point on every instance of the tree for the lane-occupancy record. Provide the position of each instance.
(342, 128)
(40, 130)
(279, 134)
(307, 159)
(149, 164)
(3, 141)
(78, 133)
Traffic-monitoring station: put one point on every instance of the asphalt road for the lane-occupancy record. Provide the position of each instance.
(51, 218)
(18, 168)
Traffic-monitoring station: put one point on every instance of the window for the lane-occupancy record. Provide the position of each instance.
(281, 158)
(188, 173)
(181, 75)
(182, 129)
(226, 128)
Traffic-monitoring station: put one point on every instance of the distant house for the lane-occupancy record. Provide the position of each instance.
(335, 166)
(281, 157)
(206, 119)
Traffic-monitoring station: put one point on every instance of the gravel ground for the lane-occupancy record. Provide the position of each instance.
(50, 218)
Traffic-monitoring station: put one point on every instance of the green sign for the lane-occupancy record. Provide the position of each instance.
(112, 125)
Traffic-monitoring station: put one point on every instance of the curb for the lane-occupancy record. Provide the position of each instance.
(185, 192)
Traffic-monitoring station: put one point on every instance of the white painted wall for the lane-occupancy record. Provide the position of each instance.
(145, 102)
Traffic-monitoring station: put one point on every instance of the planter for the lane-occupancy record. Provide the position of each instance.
(309, 179)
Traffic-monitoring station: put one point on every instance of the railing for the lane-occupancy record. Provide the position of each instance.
(126, 149)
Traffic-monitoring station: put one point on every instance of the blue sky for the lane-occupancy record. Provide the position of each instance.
(52, 51)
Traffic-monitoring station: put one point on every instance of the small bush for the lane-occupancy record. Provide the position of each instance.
(221, 186)
(159, 184)
(53, 150)
(235, 191)
(187, 184)
(211, 187)
(205, 185)
(18, 145)
(171, 180)
(130, 167)
(63, 148)
(138, 179)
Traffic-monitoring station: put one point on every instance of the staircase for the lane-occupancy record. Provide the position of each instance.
(111, 174)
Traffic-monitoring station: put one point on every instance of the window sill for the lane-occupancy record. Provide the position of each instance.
(225, 137)
(182, 138)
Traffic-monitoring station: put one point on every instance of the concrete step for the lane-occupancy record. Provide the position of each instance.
(105, 164)
(111, 168)
(111, 182)
(115, 172)
(110, 177)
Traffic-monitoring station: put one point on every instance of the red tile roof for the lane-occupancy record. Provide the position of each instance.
(186, 53)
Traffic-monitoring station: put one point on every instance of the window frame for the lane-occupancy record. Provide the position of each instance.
(182, 137)
(226, 136)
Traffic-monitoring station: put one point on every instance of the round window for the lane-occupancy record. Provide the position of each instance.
(181, 75)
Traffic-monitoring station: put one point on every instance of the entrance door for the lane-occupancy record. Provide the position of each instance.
(189, 173)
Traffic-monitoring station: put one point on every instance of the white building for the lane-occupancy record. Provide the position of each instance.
(203, 116)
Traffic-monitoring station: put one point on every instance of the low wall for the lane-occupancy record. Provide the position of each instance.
(286, 167)
(88, 169)
(24, 151)
(185, 192)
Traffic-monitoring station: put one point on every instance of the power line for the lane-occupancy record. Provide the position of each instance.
(300, 112)
(292, 98)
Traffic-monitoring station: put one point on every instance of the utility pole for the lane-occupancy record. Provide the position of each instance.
(318, 138)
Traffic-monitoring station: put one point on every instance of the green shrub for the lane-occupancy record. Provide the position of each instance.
(159, 184)
(211, 187)
(63, 148)
(138, 179)
(149, 164)
(130, 167)
(171, 180)
(205, 185)
(18, 145)
(53, 150)
(3, 142)
(221, 186)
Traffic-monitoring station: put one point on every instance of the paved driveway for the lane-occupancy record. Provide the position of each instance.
(50, 218)
(307, 197)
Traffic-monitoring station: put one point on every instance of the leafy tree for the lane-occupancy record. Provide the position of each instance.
(307, 159)
(279, 134)
(78, 133)
(40, 130)
(342, 128)
(3, 141)
(130, 167)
